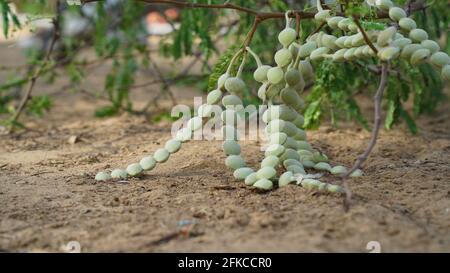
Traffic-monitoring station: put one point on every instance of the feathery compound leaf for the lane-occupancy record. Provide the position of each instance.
(221, 66)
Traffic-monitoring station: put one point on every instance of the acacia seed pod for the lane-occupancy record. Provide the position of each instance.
(334, 21)
(319, 157)
(278, 138)
(285, 179)
(301, 135)
(305, 153)
(293, 77)
(251, 179)
(173, 146)
(275, 75)
(290, 162)
(419, 56)
(359, 52)
(307, 163)
(384, 4)
(408, 50)
(407, 24)
(231, 147)
(344, 23)
(445, 73)
(329, 41)
(306, 69)
(388, 53)
(287, 36)
(290, 154)
(306, 49)
(322, 166)
(349, 55)
(334, 188)
(266, 172)
(291, 143)
(386, 36)
(195, 123)
(338, 170)
(234, 162)
(401, 43)
(214, 97)
(338, 56)
(270, 161)
(290, 97)
(262, 91)
(221, 81)
(263, 184)
(304, 145)
(352, 27)
(356, 173)
(242, 173)
(283, 57)
(299, 121)
(234, 85)
(418, 35)
(119, 174)
(322, 16)
(204, 110)
(396, 13)
(319, 53)
(134, 169)
(431, 45)
(184, 134)
(340, 42)
(230, 133)
(275, 149)
(296, 169)
(349, 41)
(276, 125)
(440, 59)
(274, 90)
(358, 40)
(231, 100)
(102, 176)
(260, 74)
(161, 155)
(147, 163)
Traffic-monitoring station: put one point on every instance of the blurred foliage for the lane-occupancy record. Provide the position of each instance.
(121, 37)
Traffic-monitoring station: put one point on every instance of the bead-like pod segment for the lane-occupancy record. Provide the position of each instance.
(293, 77)
(290, 97)
(290, 162)
(275, 149)
(221, 81)
(262, 91)
(279, 112)
(338, 56)
(266, 172)
(319, 53)
(230, 133)
(204, 110)
(161, 155)
(440, 59)
(263, 184)
(386, 36)
(401, 42)
(319, 157)
(285, 179)
(278, 138)
(287, 36)
(344, 23)
(235, 162)
(445, 73)
(408, 51)
(270, 161)
(296, 169)
(290, 154)
(310, 183)
(231, 100)
(352, 27)
(231, 147)
(134, 169)
(356, 173)
(195, 123)
(234, 85)
(304, 146)
(306, 68)
(291, 143)
(420, 56)
(407, 24)
(274, 89)
(306, 49)
(322, 16)
(283, 57)
(349, 55)
(334, 189)
(173, 146)
(396, 13)
(340, 42)
(384, 4)
(260, 74)
(329, 41)
(431, 45)
(299, 121)
(230, 117)
(418, 35)
(359, 52)
(184, 134)
(338, 170)
(214, 97)
(322, 166)
(275, 75)
(102, 176)
(305, 153)
(147, 163)
(251, 179)
(388, 53)
(242, 173)
(119, 174)
(334, 21)
(349, 41)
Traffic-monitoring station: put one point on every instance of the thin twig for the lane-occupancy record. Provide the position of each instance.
(373, 140)
(364, 34)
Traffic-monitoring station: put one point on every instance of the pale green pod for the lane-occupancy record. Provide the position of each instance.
(262, 91)
(440, 59)
(275, 75)
(195, 123)
(352, 27)
(102, 176)
(275, 149)
(338, 56)
(231, 147)
(278, 138)
(275, 89)
(445, 73)
(418, 35)
(329, 41)
(398, 36)
(221, 81)
(358, 40)
(276, 125)
(204, 110)
(283, 57)
(161, 155)
(359, 52)
(319, 157)
(251, 179)
(290, 129)
(311, 183)
(296, 169)
(384, 4)
(340, 42)
(235, 162)
(313, 38)
(349, 41)
(263, 184)
(344, 23)
(304, 145)
(270, 161)
(306, 49)
(389, 53)
(260, 74)
(293, 48)
(184, 134)
(334, 188)
(431, 45)
(407, 24)
(300, 135)
(242, 173)
(214, 97)
(368, 52)
(119, 174)
(334, 21)
(230, 117)
(230, 133)
(147, 163)
(356, 173)
(299, 121)
(338, 170)
(319, 53)
(285, 179)
(396, 13)
(420, 56)
(306, 69)
(401, 42)
(322, 187)
(304, 153)
(322, 166)
(386, 36)
(287, 36)
(293, 77)
(322, 15)
(290, 162)
(291, 143)
(290, 97)
(300, 86)
(234, 85)
(231, 100)
(349, 55)
(290, 154)
(266, 172)
(134, 169)
(308, 163)
(408, 50)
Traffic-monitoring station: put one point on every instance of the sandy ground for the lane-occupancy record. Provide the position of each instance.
(48, 195)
